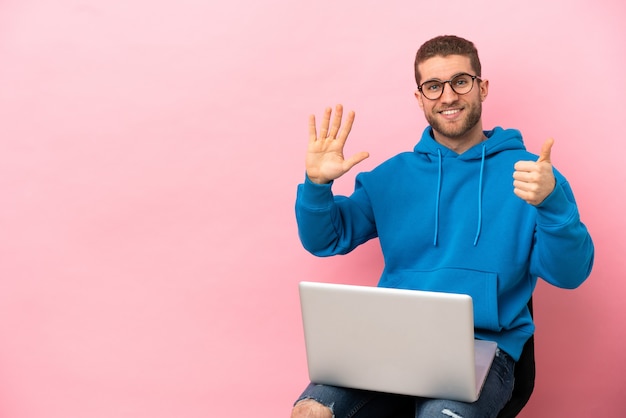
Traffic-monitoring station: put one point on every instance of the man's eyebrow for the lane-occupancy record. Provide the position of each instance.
(440, 80)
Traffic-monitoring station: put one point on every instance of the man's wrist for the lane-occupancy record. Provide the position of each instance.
(317, 180)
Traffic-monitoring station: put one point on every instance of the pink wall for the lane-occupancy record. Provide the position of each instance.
(149, 156)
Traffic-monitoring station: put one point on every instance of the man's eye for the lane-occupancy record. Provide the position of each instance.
(461, 81)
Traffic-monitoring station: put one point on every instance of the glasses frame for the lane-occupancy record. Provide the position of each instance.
(473, 77)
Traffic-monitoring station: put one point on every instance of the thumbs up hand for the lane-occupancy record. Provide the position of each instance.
(534, 180)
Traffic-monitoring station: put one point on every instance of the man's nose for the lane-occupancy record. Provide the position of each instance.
(448, 94)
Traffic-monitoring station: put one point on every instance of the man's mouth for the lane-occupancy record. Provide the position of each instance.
(450, 112)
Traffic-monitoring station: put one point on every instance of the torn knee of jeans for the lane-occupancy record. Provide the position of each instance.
(319, 402)
(451, 414)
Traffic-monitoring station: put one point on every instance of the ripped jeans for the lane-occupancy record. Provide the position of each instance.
(355, 403)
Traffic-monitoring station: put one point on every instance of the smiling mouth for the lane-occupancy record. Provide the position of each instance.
(450, 112)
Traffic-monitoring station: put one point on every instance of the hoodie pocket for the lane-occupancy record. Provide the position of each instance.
(482, 286)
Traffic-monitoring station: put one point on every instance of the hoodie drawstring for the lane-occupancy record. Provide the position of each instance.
(480, 197)
(437, 200)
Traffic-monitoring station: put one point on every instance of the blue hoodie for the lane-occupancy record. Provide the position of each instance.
(451, 223)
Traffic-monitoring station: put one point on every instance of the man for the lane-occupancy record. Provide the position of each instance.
(466, 203)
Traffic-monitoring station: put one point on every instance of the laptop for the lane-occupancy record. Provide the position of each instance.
(399, 341)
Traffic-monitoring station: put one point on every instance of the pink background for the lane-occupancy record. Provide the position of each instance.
(149, 156)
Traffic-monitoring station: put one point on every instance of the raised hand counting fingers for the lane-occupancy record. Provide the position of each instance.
(325, 160)
(534, 180)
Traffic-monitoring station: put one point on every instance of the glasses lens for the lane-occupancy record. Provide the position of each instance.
(432, 89)
(462, 83)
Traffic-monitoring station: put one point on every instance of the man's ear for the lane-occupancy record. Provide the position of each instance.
(419, 98)
(484, 90)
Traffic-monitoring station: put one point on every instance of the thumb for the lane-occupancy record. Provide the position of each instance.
(546, 148)
(355, 159)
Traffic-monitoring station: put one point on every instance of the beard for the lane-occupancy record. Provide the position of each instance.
(459, 129)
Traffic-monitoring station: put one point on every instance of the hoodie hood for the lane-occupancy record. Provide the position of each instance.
(497, 140)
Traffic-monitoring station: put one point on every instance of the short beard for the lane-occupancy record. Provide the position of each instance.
(472, 118)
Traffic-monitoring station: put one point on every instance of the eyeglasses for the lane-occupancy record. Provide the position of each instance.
(460, 84)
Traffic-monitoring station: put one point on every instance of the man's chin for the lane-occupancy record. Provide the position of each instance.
(454, 129)
(451, 130)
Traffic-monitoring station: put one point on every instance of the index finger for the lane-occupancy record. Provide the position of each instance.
(347, 127)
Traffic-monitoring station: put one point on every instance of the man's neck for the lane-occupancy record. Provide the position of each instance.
(463, 143)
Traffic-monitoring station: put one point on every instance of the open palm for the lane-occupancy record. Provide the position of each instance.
(325, 161)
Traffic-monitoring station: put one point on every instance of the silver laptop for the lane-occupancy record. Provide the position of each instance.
(393, 340)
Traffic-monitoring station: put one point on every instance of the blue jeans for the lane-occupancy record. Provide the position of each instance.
(356, 403)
